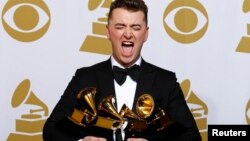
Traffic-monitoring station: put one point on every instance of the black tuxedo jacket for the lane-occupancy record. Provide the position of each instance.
(160, 83)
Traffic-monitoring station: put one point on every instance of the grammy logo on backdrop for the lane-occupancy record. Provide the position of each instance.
(248, 112)
(244, 45)
(29, 126)
(98, 42)
(198, 108)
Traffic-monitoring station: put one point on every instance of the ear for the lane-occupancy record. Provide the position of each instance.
(146, 34)
(107, 32)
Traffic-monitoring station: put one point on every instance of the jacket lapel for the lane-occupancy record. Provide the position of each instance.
(145, 82)
(105, 80)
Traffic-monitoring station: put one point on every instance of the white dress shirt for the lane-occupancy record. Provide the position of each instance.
(125, 93)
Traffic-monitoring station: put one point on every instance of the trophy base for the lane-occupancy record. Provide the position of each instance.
(73, 129)
(108, 123)
(137, 126)
(151, 133)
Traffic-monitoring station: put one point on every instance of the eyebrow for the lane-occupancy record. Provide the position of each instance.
(133, 25)
(120, 24)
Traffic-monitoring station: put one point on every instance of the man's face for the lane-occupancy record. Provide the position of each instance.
(127, 31)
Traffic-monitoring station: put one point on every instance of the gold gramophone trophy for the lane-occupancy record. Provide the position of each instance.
(147, 122)
(150, 122)
(85, 114)
(29, 126)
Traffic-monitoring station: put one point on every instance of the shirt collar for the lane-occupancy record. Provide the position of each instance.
(115, 63)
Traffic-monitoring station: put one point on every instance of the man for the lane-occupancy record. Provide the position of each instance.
(127, 30)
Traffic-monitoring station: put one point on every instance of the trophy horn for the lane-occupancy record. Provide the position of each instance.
(107, 105)
(88, 95)
(82, 115)
(145, 105)
(125, 112)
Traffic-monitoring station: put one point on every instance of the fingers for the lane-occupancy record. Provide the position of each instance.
(136, 139)
(92, 138)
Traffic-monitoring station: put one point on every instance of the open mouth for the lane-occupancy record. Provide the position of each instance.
(127, 48)
(127, 44)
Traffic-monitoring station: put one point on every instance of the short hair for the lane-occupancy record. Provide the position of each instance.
(131, 5)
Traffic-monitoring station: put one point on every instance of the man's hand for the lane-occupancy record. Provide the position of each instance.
(136, 139)
(92, 138)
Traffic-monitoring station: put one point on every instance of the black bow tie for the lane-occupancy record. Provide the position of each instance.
(120, 74)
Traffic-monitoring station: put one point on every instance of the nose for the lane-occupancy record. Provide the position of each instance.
(128, 34)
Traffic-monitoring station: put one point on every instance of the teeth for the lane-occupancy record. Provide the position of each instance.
(127, 44)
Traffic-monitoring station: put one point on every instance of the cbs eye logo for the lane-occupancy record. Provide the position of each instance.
(186, 21)
(26, 20)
